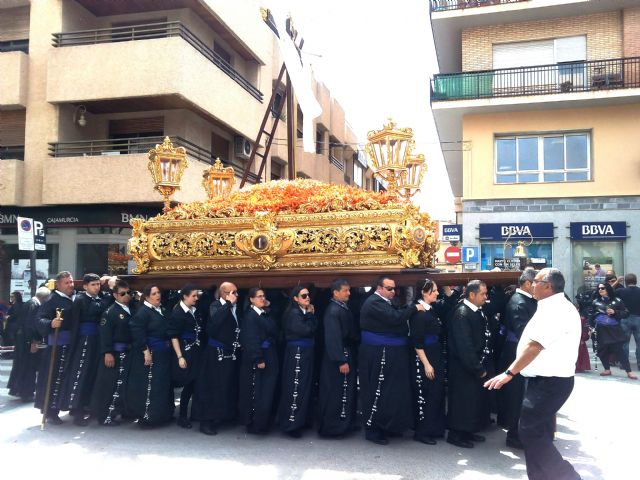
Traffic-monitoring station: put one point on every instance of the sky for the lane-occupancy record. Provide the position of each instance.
(377, 57)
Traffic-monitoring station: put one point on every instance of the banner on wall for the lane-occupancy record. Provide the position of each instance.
(21, 275)
(594, 270)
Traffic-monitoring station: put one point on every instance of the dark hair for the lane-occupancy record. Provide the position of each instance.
(253, 291)
(337, 285)
(146, 291)
(610, 293)
(64, 274)
(610, 276)
(17, 297)
(554, 277)
(474, 287)
(120, 284)
(630, 279)
(381, 279)
(296, 291)
(90, 277)
(187, 290)
(426, 287)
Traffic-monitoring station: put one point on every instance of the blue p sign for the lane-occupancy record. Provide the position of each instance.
(470, 254)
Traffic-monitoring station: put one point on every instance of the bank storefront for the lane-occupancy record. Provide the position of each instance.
(81, 239)
(498, 242)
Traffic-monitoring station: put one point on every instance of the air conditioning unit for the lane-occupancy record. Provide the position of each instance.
(242, 147)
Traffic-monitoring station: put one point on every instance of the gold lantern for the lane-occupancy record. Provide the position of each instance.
(391, 151)
(167, 164)
(218, 180)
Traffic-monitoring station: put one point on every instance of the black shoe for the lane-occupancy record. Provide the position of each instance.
(294, 433)
(458, 442)
(54, 420)
(426, 440)
(472, 437)
(145, 425)
(207, 428)
(81, 421)
(378, 440)
(514, 443)
(183, 422)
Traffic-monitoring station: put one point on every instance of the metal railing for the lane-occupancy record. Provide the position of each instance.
(136, 146)
(151, 31)
(336, 162)
(15, 46)
(446, 5)
(14, 152)
(582, 76)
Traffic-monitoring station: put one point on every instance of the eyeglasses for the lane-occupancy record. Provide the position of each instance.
(389, 289)
(539, 281)
(122, 294)
(304, 296)
(602, 288)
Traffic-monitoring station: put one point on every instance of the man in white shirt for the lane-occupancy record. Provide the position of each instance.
(546, 356)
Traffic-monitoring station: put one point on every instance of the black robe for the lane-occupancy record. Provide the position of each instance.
(257, 386)
(81, 373)
(337, 396)
(517, 314)
(468, 400)
(149, 392)
(385, 380)
(297, 369)
(22, 380)
(428, 395)
(216, 392)
(187, 328)
(109, 392)
(46, 313)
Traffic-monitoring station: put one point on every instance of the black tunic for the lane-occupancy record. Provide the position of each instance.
(46, 313)
(216, 392)
(468, 400)
(517, 314)
(428, 395)
(109, 393)
(149, 392)
(610, 333)
(384, 369)
(257, 386)
(297, 369)
(81, 373)
(337, 396)
(22, 380)
(187, 328)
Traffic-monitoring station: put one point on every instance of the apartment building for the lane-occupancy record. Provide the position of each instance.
(88, 87)
(543, 97)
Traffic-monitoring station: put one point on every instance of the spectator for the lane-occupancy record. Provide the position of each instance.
(630, 295)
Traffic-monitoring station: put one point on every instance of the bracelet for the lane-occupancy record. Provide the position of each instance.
(510, 373)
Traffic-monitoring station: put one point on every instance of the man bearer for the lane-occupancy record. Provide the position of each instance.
(546, 356)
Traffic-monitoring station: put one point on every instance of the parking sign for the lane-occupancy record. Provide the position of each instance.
(470, 254)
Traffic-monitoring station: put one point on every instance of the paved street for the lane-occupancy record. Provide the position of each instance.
(591, 434)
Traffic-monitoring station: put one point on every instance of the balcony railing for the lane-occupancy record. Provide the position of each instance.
(15, 46)
(14, 152)
(584, 76)
(336, 162)
(151, 31)
(135, 146)
(445, 5)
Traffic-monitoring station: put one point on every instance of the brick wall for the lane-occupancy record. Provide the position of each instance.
(603, 31)
(631, 32)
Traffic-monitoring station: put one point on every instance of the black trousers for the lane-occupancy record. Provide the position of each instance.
(616, 348)
(542, 399)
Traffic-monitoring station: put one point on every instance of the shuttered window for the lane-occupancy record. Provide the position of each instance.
(136, 126)
(12, 127)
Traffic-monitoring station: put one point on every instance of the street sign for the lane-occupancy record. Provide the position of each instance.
(452, 255)
(470, 254)
(39, 236)
(25, 234)
(452, 233)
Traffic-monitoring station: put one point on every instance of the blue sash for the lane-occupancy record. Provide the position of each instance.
(120, 347)
(606, 320)
(302, 342)
(64, 338)
(156, 344)
(217, 344)
(430, 340)
(266, 343)
(88, 329)
(383, 339)
(511, 337)
(188, 336)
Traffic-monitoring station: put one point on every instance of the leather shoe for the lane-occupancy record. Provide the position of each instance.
(183, 422)
(514, 443)
(476, 438)
(425, 440)
(459, 442)
(207, 429)
(54, 420)
(378, 440)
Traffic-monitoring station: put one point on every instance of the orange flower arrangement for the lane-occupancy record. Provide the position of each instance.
(284, 196)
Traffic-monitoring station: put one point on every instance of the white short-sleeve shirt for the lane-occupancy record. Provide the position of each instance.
(557, 327)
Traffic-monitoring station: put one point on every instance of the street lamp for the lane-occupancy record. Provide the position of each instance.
(167, 164)
(391, 151)
(217, 180)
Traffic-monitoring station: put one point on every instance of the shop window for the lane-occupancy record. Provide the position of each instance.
(591, 261)
(15, 271)
(538, 253)
(562, 157)
(101, 258)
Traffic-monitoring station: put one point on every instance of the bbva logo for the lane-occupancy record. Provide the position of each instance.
(597, 230)
(515, 230)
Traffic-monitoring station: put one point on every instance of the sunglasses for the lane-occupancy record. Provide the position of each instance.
(122, 294)
(304, 296)
(602, 288)
(389, 289)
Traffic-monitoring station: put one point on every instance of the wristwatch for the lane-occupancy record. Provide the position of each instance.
(510, 373)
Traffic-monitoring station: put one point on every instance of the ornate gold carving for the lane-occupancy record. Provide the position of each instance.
(217, 180)
(167, 165)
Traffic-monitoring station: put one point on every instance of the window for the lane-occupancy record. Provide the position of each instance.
(222, 53)
(276, 170)
(561, 157)
(358, 173)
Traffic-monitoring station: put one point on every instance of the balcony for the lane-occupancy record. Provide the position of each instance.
(11, 175)
(588, 76)
(118, 170)
(446, 5)
(14, 66)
